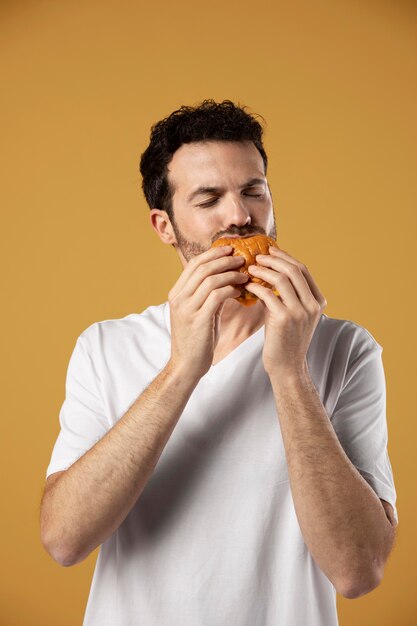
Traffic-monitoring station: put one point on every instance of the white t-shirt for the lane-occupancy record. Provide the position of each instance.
(214, 539)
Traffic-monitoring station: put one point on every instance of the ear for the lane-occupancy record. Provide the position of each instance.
(161, 224)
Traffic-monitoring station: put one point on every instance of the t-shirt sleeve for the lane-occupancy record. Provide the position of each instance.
(359, 419)
(82, 418)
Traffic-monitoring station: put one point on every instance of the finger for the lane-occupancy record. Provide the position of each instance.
(281, 282)
(212, 274)
(214, 283)
(295, 277)
(191, 271)
(267, 296)
(216, 298)
(278, 253)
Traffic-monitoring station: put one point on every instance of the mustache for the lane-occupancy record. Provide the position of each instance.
(241, 233)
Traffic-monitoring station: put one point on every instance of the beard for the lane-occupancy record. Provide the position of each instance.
(190, 249)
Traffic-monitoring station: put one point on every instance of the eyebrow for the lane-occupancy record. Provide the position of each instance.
(202, 190)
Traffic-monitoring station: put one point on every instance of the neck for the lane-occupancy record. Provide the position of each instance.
(237, 320)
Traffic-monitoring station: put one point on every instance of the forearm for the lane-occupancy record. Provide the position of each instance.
(342, 520)
(93, 497)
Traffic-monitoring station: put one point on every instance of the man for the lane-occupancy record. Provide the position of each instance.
(231, 461)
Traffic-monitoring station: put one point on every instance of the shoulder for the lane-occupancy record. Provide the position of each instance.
(150, 322)
(337, 349)
(343, 336)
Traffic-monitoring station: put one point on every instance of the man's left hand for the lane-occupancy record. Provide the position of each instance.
(290, 317)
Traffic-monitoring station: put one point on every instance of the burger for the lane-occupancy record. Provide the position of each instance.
(248, 247)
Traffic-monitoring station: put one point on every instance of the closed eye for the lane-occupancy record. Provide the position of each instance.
(250, 195)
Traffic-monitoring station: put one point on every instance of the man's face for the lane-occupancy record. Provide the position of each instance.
(237, 204)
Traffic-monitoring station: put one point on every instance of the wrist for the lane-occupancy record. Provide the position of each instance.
(181, 373)
(290, 376)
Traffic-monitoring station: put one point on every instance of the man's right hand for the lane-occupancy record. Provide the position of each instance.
(196, 301)
(77, 515)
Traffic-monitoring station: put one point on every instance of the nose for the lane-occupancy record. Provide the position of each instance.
(236, 214)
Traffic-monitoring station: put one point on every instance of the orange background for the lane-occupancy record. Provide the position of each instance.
(82, 82)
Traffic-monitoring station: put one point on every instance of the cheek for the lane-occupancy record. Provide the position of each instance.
(202, 228)
(211, 225)
(264, 217)
(193, 226)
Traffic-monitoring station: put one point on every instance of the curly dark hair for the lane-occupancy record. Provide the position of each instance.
(209, 120)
